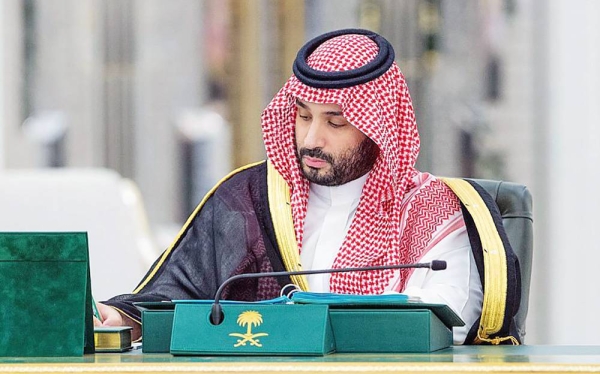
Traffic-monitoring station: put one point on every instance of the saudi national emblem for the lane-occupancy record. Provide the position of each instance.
(249, 319)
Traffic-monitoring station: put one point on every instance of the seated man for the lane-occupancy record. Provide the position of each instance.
(339, 189)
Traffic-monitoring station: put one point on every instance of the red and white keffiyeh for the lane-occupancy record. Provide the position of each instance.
(401, 211)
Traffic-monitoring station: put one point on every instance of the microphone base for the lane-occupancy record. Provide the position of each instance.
(216, 314)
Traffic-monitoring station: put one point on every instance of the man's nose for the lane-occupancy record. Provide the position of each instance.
(315, 136)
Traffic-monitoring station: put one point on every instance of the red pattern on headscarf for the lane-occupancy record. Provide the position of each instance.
(382, 109)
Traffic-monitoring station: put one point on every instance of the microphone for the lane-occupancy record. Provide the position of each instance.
(216, 312)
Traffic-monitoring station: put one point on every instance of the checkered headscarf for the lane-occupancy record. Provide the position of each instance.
(382, 109)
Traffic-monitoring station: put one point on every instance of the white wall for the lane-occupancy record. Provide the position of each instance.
(565, 292)
(168, 82)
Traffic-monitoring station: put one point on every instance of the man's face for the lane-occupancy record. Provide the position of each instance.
(330, 150)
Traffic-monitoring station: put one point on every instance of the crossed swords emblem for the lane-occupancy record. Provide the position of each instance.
(248, 338)
(248, 319)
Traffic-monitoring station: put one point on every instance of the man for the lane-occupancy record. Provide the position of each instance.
(339, 189)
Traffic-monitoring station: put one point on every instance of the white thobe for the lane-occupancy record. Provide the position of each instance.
(329, 215)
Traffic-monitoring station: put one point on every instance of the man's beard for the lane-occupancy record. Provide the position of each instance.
(350, 165)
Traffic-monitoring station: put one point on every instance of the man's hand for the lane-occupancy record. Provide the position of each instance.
(110, 316)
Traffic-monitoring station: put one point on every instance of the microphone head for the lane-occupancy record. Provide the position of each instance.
(438, 265)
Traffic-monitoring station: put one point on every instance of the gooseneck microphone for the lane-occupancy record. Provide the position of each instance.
(216, 313)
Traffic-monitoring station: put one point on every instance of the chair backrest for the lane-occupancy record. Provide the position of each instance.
(515, 204)
(90, 200)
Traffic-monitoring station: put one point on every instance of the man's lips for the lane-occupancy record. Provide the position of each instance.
(314, 162)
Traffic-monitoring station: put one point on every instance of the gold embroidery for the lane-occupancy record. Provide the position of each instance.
(494, 259)
(281, 213)
(249, 319)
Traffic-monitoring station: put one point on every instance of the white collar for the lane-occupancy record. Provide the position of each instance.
(342, 194)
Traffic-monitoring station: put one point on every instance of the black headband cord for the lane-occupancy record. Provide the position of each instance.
(343, 79)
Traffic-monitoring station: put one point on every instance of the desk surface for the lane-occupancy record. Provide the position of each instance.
(538, 359)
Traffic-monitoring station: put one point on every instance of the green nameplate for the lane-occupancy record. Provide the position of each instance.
(251, 329)
(45, 297)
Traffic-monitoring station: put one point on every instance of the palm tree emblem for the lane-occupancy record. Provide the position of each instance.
(249, 319)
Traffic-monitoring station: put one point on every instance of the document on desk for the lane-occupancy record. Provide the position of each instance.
(277, 300)
(347, 299)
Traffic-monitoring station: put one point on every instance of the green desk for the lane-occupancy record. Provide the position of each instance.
(501, 359)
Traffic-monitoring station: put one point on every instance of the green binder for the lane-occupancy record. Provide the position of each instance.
(157, 325)
(385, 323)
(395, 329)
(45, 295)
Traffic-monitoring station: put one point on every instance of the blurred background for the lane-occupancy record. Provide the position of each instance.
(150, 102)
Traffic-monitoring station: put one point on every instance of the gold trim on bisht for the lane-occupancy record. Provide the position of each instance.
(187, 223)
(281, 214)
(494, 261)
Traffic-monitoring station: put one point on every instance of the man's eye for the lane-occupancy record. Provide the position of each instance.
(336, 125)
(304, 118)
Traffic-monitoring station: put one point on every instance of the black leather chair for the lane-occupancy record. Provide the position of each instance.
(515, 203)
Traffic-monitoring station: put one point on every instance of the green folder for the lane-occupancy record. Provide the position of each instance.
(45, 295)
(391, 323)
